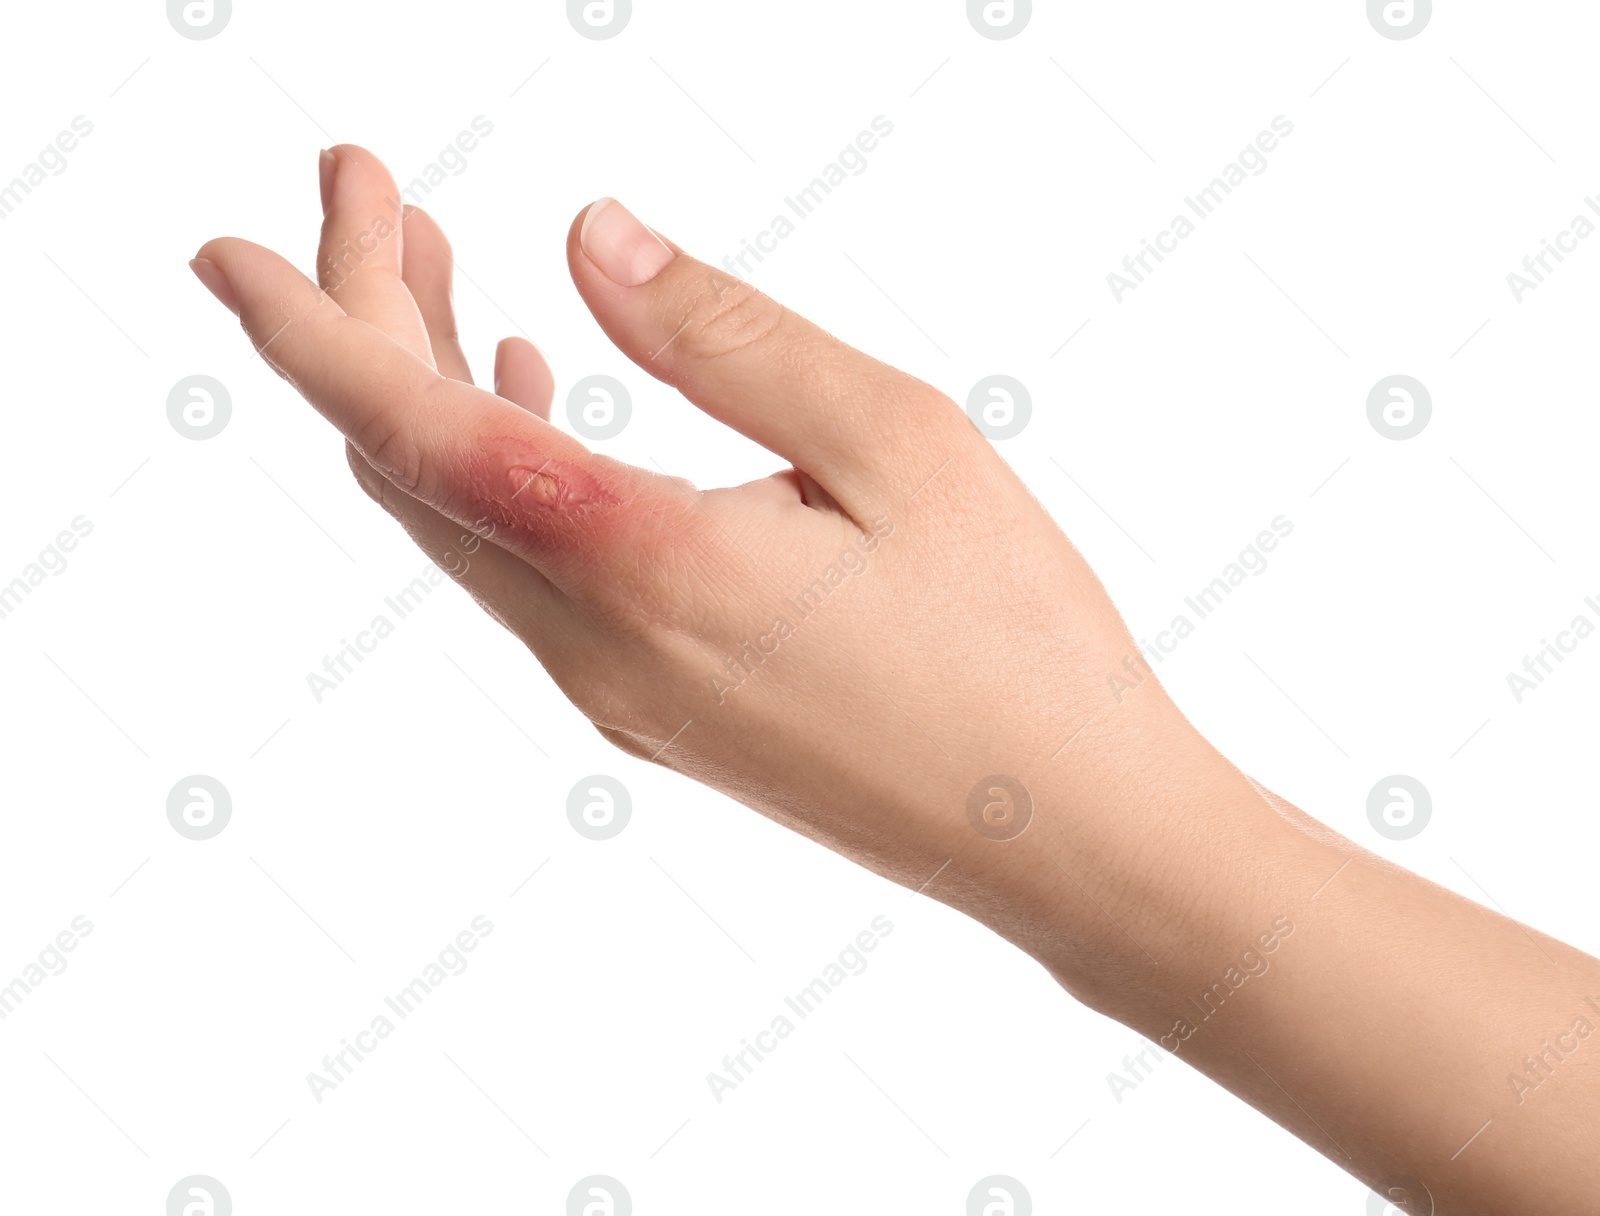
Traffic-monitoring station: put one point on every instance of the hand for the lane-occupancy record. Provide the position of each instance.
(852, 646)
(889, 647)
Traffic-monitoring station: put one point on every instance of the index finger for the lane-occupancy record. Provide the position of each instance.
(468, 454)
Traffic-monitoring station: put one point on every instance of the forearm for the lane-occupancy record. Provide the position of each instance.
(1393, 1025)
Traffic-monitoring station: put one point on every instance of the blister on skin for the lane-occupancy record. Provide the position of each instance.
(523, 489)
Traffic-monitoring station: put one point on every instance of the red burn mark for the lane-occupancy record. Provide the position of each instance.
(536, 486)
(520, 486)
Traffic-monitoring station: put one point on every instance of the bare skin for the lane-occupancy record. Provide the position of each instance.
(863, 645)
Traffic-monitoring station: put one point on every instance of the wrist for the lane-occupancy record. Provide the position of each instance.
(1141, 878)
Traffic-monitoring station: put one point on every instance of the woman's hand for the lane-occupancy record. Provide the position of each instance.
(891, 648)
(881, 647)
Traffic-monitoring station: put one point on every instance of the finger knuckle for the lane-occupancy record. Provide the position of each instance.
(393, 451)
(729, 320)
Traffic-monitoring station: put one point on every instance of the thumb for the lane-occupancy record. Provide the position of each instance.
(846, 419)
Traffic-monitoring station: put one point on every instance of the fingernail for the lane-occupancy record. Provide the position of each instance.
(624, 249)
(327, 164)
(209, 273)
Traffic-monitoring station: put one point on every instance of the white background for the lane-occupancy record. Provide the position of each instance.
(369, 829)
